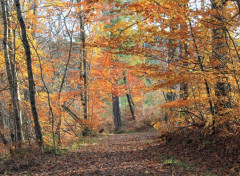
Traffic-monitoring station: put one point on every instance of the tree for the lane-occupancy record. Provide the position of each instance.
(12, 77)
(84, 71)
(129, 98)
(31, 83)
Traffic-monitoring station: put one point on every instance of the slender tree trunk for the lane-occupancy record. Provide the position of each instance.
(12, 77)
(184, 57)
(70, 35)
(170, 96)
(83, 64)
(4, 140)
(16, 81)
(129, 98)
(32, 90)
(131, 105)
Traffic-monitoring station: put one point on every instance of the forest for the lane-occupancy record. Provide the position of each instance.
(85, 83)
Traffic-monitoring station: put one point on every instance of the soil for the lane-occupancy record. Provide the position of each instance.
(136, 154)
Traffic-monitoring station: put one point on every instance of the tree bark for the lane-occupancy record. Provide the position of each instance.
(117, 112)
(129, 98)
(31, 83)
(4, 140)
(16, 81)
(83, 65)
(219, 56)
(184, 85)
(12, 78)
(170, 96)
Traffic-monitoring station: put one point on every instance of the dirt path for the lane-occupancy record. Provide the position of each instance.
(121, 154)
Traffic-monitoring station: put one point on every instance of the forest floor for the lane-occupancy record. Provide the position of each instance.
(139, 153)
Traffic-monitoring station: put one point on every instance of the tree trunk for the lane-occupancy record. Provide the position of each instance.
(184, 85)
(4, 140)
(32, 90)
(129, 98)
(16, 81)
(83, 65)
(170, 96)
(117, 112)
(131, 106)
(12, 78)
(219, 57)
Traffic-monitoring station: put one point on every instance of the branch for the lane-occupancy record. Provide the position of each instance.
(131, 26)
